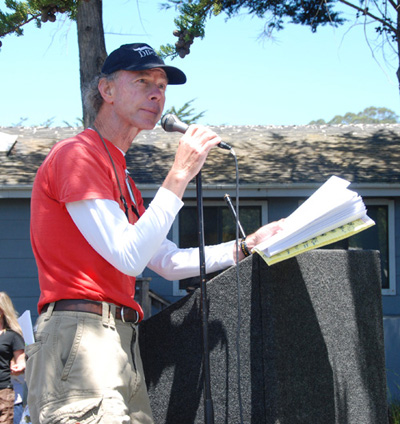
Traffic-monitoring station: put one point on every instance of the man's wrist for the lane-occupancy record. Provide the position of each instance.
(176, 183)
(244, 248)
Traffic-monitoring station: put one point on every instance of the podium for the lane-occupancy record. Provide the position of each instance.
(311, 345)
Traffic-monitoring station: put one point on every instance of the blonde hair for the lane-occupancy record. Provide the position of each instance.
(8, 314)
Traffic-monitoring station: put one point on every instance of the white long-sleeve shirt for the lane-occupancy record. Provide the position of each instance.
(130, 248)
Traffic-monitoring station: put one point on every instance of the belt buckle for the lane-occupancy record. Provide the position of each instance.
(122, 314)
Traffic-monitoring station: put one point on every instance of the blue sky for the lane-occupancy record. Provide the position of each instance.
(232, 75)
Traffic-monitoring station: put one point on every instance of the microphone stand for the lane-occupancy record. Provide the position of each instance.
(208, 403)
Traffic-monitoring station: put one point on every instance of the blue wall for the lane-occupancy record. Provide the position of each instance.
(18, 273)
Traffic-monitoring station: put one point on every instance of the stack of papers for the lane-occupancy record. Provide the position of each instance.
(332, 213)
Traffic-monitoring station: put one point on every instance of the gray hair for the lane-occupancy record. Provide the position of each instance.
(92, 98)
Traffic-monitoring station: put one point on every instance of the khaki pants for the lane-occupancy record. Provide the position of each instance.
(7, 406)
(84, 368)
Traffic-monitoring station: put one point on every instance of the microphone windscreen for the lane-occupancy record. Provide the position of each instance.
(171, 123)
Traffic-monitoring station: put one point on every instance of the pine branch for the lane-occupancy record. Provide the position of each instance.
(366, 12)
(17, 27)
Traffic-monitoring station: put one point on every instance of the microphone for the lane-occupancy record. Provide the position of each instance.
(171, 123)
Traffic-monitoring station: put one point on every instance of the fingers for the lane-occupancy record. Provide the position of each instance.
(276, 226)
(271, 229)
(17, 369)
(264, 233)
(194, 147)
(192, 152)
(201, 138)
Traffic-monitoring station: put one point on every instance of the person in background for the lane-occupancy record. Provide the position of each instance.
(12, 356)
(91, 236)
(18, 383)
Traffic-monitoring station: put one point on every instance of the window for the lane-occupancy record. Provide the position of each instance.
(379, 237)
(219, 226)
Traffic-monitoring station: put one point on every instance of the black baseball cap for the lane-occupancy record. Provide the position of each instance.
(138, 57)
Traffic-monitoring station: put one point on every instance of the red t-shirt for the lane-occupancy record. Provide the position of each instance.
(78, 168)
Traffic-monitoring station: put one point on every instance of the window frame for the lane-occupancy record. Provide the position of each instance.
(209, 203)
(391, 291)
(390, 203)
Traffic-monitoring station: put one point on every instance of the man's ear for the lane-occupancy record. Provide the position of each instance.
(106, 89)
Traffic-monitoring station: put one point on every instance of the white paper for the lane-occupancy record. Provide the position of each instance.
(330, 207)
(25, 321)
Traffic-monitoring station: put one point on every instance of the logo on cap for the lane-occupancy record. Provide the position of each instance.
(145, 51)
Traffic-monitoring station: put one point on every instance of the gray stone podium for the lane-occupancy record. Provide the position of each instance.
(311, 345)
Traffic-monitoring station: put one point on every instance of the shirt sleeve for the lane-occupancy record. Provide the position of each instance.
(127, 247)
(173, 263)
(130, 248)
(18, 342)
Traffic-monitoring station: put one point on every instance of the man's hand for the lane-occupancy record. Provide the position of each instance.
(192, 152)
(263, 233)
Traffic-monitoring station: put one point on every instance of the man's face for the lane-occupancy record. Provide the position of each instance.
(139, 97)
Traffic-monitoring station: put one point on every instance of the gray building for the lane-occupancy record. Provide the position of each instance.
(279, 167)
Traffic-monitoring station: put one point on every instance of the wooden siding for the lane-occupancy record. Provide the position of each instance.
(18, 272)
(391, 304)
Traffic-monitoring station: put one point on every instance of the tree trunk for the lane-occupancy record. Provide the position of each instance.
(92, 48)
(398, 47)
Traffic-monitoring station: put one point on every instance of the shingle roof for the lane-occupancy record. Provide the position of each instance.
(284, 154)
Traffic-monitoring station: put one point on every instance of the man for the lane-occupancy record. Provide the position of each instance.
(91, 236)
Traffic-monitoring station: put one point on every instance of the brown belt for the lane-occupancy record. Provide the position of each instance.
(124, 313)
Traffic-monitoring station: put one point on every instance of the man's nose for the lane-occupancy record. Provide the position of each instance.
(155, 92)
